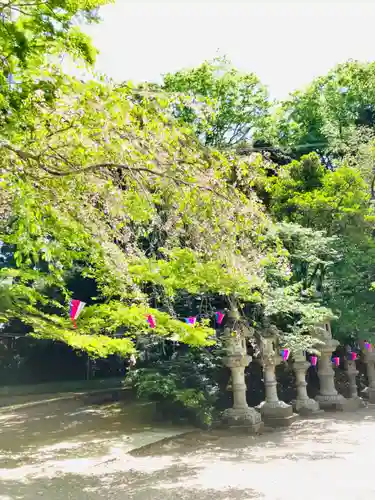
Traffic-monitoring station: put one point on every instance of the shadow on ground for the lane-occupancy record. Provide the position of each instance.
(84, 453)
(56, 422)
(160, 485)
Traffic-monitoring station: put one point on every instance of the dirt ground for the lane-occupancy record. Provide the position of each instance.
(66, 451)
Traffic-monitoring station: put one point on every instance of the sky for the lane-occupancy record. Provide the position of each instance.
(286, 44)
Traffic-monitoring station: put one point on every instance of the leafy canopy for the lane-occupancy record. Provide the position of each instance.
(110, 188)
(31, 29)
(336, 203)
(224, 106)
(324, 116)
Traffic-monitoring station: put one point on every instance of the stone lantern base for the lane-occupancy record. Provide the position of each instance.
(333, 402)
(369, 394)
(277, 414)
(353, 404)
(307, 407)
(245, 419)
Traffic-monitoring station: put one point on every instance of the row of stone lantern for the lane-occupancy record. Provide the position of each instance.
(275, 412)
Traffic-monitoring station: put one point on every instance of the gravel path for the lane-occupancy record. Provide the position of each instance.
(62, 451)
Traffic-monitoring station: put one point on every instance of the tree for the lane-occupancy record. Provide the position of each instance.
(336, 204)
(35, 36)
(224, 106)
(30, 30)
(324, 117)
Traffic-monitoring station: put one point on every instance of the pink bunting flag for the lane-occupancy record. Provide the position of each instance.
(336, 361)
(191, 320)
(219, 317)
(151, 321)
(314, 360)
(75, 310)
(285, 354)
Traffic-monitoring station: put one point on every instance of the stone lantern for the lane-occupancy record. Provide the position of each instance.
(274, 412)
(237, 359)
(328, 397)
(354, 400)
(369, 359)
(303, 404)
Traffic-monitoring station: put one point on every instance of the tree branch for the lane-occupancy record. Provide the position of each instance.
(29, 156)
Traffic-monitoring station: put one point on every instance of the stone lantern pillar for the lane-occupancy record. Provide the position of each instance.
(274, 412)
(303, 404)
(241, 414)
(328, 397)
(351, 371)
(369, 359)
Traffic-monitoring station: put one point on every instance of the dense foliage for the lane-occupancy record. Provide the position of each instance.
(35, 38)
(226, 107)
(316, 171)
(109, 187)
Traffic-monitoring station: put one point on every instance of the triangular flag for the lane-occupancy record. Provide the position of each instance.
(219, 317)
(151, 320)
(76, 307)
(285, 354)
(336, 361)
(191, 320)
